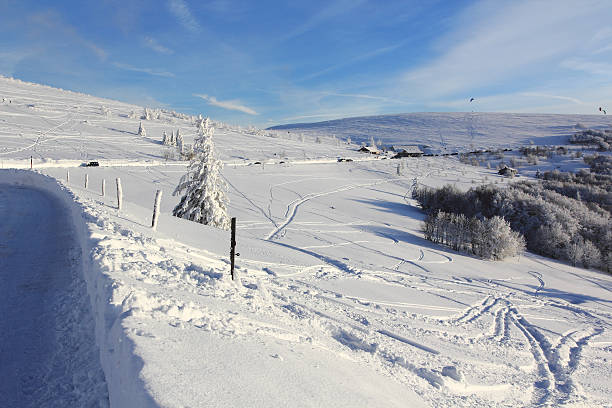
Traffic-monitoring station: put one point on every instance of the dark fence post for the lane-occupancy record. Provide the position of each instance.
(233, 246)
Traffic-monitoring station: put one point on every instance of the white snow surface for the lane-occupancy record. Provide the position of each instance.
(338, 300)
(456, 131)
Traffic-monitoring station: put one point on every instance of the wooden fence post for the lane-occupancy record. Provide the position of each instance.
(233, 247)
(158, 197)
(31, 163)
(86, 180)
(119, 194)
(103, 187)
(67, 176)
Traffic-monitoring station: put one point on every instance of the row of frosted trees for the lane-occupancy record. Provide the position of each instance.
(488, 238)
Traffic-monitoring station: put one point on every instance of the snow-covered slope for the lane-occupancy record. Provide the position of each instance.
(339, 300)
(455, 131)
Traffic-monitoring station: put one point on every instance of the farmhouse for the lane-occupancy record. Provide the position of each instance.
(507, 171)
(407, 151)
(370, 149)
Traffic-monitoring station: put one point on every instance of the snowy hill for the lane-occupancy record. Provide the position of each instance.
(339, 300)
(455, 131)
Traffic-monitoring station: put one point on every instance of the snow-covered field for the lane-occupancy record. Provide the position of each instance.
(457, 131)
(339, 300)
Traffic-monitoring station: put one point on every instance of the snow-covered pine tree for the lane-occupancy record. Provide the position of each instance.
(372, 142)
(207, 123)
(204, 199)
(177, 135)
(141, 131)
(165, 138)
(201, 125)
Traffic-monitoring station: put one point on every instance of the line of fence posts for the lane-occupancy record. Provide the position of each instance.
(155, 218)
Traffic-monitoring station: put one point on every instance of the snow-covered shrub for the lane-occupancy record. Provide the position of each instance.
(601, 164)
(204, 199)
(141, 130)
(550, 221)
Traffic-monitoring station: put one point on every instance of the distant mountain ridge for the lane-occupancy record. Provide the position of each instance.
(458, 131)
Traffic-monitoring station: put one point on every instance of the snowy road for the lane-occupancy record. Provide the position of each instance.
(48, 355)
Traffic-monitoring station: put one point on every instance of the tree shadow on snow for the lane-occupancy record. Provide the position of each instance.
(394, 207)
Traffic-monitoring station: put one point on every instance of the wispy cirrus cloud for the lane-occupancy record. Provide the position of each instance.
(333, 9)
(181, 11)
(235, 105)
(495, 43)
(360, 58)
(153, 44)
(51, 20)
(549, 96)
(590, 67)
(148, 71)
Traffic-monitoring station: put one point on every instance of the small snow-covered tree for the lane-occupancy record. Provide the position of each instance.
(372, 142)
(172, 140)
(207, 123)
(200, 124)
(204, 199)
(348, 140)
(165, 139)
(141, 131)
(179, 142)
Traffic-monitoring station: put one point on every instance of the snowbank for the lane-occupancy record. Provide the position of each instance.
(120, 364)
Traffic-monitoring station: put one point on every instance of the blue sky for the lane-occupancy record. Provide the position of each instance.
(269, 62)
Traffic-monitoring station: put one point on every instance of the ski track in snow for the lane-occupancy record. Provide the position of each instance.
(294, 205)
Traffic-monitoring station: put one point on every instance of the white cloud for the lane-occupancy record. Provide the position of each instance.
(156, 46)
(230, 105)
(181, 11)
(148, 71)
(494, 43)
